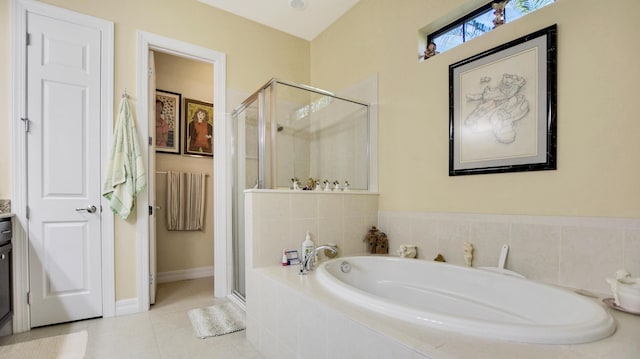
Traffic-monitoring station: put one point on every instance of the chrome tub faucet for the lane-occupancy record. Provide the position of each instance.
(307, 263)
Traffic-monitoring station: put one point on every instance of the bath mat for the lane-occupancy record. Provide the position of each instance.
(217, 320)
(68, 346)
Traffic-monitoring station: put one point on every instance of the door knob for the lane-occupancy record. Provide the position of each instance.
(90, 209)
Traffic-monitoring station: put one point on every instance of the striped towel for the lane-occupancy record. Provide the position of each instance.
(185, 201)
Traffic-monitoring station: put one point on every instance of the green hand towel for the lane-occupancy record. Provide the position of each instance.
(126, 172)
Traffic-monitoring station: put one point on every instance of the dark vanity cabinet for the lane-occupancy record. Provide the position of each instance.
(6, 305)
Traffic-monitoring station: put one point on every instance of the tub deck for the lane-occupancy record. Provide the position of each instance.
(287, 313)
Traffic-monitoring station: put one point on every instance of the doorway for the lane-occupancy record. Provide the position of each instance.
(179, 254)
(150, 42)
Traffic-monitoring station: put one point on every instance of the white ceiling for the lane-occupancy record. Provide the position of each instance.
(306, 23)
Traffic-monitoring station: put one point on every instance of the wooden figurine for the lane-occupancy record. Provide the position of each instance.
(371, 238)
(382, 244)
(377, 242)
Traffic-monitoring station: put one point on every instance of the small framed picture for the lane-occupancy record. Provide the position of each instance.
(198, 122)
(167, 135)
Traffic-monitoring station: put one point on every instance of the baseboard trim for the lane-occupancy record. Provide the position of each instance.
(127, 306)
(184, 274)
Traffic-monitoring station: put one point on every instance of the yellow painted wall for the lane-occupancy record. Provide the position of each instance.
(598, 123)
(178, 250)
(255, 54)
(598, 167)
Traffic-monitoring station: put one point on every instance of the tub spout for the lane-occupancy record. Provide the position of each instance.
(307, 264)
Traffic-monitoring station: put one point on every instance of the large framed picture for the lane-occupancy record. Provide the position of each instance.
(502, 108)
(198, 121)
(167, 134)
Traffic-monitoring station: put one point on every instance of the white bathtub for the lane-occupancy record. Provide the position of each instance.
(467, 300)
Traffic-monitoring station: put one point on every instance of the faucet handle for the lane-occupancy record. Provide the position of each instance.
(306, 264)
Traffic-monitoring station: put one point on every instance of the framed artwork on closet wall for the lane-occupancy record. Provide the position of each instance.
(502, 108)
(168, 121)
(198, 122)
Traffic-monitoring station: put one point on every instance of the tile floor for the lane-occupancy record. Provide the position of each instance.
(165, 332)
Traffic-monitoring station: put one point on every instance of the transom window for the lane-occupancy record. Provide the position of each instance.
(481, 21)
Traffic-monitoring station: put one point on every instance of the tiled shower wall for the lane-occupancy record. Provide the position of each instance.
(576, 252)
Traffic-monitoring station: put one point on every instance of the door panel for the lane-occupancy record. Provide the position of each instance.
(63, 92)
(59, 124)
(65, 251)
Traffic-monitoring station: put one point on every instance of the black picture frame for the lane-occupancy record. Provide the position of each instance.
(198, 138)
(503, 107)
(167, 134)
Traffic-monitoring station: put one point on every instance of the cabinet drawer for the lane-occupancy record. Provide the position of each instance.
(6, 305)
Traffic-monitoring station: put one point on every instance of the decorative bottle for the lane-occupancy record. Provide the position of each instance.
(307, 246)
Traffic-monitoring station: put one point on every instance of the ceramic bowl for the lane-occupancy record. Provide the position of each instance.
(629, 296)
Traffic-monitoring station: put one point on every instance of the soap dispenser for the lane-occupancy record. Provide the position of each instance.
(307, 246)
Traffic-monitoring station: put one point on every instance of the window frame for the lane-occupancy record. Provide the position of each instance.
(460, 22)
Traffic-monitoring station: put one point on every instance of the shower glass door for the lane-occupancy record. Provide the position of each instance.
(245, 153)
(288, 131)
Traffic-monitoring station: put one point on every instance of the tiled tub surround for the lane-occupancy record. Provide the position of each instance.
(289, 315)
(292, 316)
(574, 252)
(276, 220)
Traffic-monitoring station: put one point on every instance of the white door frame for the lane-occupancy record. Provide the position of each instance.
(221, 164)
(19, 10)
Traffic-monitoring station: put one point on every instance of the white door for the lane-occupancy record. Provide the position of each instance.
(151, 181)
(63, 107)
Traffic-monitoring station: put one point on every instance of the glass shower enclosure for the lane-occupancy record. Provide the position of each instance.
(287, 131)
